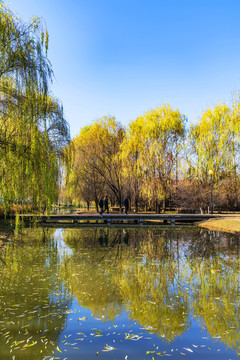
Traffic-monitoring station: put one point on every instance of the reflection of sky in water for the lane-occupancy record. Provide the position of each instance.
(120, 291)
(63, 249)
(88, 336)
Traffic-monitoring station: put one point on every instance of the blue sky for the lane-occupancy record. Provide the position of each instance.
(124, 57)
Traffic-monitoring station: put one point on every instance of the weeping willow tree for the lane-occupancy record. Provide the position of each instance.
(214, 145)
(33, 131)
(150, 153)
(96, 166)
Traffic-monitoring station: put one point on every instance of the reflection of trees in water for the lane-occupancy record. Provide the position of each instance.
(87, 273)
(216, 287)
(209, 244)
(134, 268)
(158, 275)
(33, 301)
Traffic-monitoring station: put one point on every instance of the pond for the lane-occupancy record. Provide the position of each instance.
(120, 293)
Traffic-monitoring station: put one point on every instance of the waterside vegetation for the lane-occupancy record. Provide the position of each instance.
(33, 130)
(159, 161)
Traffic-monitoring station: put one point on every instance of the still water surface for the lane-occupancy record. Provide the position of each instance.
(120, 293)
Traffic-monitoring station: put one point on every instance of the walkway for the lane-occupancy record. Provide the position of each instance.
(120, 218)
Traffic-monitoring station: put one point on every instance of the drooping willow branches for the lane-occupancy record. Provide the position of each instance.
(33, 131)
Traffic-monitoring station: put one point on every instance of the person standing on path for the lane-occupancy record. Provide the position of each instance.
(101, 206)
(106, 207)
(126, 205)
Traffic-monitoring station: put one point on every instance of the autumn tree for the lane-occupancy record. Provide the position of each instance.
(131, 149)
(151, 151)
(84, 181)
(214, 147)
(97, 164)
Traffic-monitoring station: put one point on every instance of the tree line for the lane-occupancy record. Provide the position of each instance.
(33, 131)
(159, 161)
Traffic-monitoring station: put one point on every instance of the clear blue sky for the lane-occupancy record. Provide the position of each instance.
(124, 57)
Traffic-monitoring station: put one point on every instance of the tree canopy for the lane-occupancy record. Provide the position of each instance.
(157, 160)
(33, 130)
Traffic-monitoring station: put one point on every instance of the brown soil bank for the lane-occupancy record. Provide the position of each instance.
(227, 224)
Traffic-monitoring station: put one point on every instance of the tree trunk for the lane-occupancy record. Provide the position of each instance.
(136, 205)
(96, 200)
(164, 204)
(158, 208)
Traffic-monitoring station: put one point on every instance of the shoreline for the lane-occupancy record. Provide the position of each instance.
(225, 224)
(229, 224)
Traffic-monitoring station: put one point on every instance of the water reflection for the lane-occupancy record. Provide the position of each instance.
(173, 285)
(137, 272)
(33, 299)
(162, 278)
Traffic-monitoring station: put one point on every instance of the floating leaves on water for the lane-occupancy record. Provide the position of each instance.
(162, 354)
(82, 318)
(29, 345)
(197, 346)
(148, 328)
(108, 348)
(40, 309)
(134, 337)
(157, 353)
(97, 333)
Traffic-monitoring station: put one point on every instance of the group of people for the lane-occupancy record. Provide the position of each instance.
(104, 206)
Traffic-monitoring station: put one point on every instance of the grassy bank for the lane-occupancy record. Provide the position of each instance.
(227, 224)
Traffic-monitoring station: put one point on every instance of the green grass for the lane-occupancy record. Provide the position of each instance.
(227, 224)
